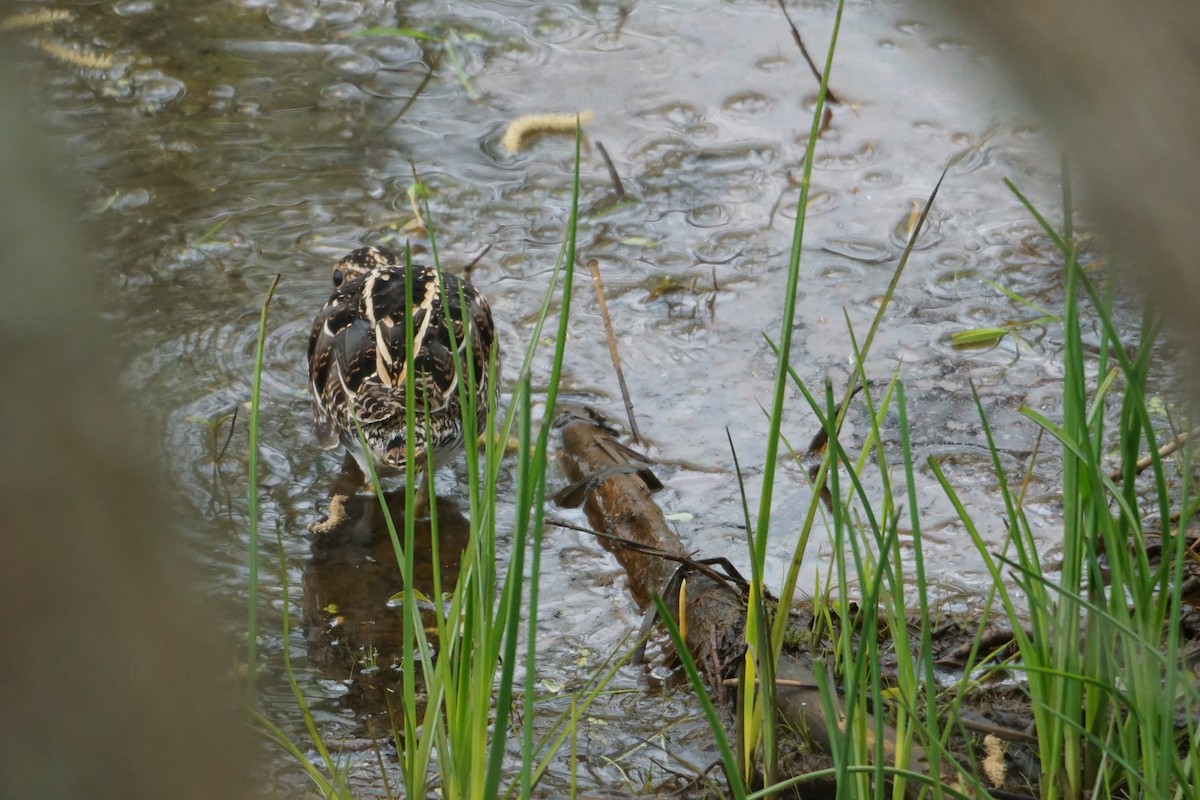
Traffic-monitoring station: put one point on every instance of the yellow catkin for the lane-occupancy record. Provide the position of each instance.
(521, 127)
(84, 59)
(993, 765)
(35, 19)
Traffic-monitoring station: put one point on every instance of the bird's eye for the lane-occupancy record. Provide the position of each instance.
(338, 277)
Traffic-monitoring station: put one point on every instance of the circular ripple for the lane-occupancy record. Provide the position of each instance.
(708, 215)
(340, 13)
(666, 151)
(296, 16)
(351, 64)
(977, 315)
(864, 250)
(1007, 232)
(748, 157)
(931, 231)
(522, 53)
(968, 464)
(772, 64)
(820, 201)
(155, 89)
(842, 274)
(869, 152)
(388, 84)
(555, 25)
(343, 94)
(972, 160)
(609, 42)
(747, 103)
(738, 248)
(879, 179)
(685, 118)
(285, 353)
(899, 305)
(389, 51)
(953, 283)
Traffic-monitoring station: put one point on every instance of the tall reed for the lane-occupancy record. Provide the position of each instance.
(1100, 642)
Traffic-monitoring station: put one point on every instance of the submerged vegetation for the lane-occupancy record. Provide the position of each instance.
(1097, 641)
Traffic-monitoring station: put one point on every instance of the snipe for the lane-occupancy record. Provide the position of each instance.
(357, 360)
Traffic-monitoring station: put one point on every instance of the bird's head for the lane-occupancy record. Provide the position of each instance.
(362, 261)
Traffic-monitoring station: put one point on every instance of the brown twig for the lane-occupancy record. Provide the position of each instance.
(594, 266)
(734, 582)
(418, 91)
(612, 173)
(1145, 461)
(467, 269)
(229, 437)
(999, 731)
(829, 95)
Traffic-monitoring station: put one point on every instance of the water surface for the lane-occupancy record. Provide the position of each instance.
(232, 142)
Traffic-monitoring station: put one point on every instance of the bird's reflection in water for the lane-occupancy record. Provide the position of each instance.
(355, 635)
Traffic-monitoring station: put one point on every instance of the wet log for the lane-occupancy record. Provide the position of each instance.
(619, 505)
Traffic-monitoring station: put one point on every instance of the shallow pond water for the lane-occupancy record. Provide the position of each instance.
(230, 142)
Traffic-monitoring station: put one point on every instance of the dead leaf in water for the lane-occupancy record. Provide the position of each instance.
(666, 285)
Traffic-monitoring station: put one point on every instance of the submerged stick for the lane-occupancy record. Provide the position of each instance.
(594, 266)
(1145, 461)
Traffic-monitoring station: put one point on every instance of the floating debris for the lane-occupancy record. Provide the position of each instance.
(521, 127)
(75, 56)
(35, 19)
